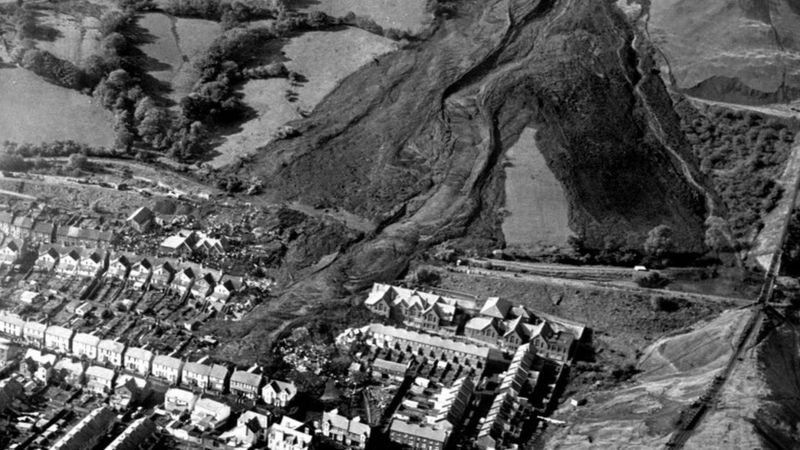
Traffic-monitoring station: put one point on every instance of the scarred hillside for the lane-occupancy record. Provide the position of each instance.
(412, 141)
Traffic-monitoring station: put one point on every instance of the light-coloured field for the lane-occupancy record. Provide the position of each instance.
(176, 43)
(324, 58)
(407, 15)
(79, 37)
(536, 206)
(33, 110)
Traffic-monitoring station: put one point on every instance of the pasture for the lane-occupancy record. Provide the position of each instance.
(536, 206)
(175, 44)
(407, 15)
(324, 58)
(34, 111)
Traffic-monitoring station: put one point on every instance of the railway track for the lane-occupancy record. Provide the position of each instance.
(697, 412)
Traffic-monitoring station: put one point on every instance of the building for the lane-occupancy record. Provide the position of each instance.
(92, 263)
(251, 428)
(419, 436)
(209, 414)
(85, 345)
(279, 393)
(6, 222)
(11, 251)
(246, 384)
(138, 361)
(167, 368)
(43, 233)
(110, 352)
(129, 391)
(88, 432)
(483, 329)
(33, 333)
(350, 432)
(184, 280)
(37, 366)
(550, 344)
(223, 291)
(140, 272)
(415, 309)
(289, 434)
(11, 325)
(163, 274)
(58, 339)
(142, 220)
(22, 227)
(68, 261)
(179, 401)
(496, 307)
(9, 351)
(429, 346)
(178, 244)
(204, 285)
(195, 374)
(47, 260)
(136, 436)
(218, 378)
(100, 380)
(70, 371)
(119, 267)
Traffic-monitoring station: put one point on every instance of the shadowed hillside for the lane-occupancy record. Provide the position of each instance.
(413, 140)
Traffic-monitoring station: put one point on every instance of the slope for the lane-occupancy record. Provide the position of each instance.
(413, 140)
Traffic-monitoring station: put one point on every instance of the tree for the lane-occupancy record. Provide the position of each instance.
(78, 161)
(716, 238)
(659, 241)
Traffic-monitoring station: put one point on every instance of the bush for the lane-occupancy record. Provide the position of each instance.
(651, 280)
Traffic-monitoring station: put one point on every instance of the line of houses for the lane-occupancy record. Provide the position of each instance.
(138, 270)
(498, 323)
(143, 362)
(45, 232)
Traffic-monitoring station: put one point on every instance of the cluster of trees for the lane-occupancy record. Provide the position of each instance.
(743, 153)
(47, 65)
(53, 149)
(230, 13)
(27, 26)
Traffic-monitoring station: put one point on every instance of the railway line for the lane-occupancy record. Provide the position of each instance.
(695, 415)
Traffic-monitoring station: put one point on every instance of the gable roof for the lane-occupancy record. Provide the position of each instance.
(496, 307)
(141, 216)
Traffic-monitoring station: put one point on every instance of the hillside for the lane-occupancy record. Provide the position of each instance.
(413, 140)
(728, 50)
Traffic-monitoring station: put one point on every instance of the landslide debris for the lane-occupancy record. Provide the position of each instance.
(412, 141)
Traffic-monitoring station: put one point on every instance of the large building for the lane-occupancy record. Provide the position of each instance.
(429, 346)
(416, 309)
(288, 434)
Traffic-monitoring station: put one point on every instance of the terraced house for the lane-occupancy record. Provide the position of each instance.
(92, 263)
(138, 361)
(47, 259)
(33, 333)
(11, 325)
(246, 384)
(195, 374)
(167, 368)
(110, 352)
(119, 267)
(85, 345)
(11, 251)
(58, 339)
(43, 233)
(140, 272)
(218, 378)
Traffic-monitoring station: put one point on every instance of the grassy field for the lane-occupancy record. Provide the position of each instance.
(33, 110)
(78, 39)
(407, 15)
(176, 42)
(536, 206)
(324, 58)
